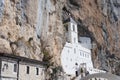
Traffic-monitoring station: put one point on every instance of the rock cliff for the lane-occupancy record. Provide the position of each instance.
(34, 29)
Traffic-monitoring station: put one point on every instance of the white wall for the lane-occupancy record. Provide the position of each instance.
(71, 55)
(71, 34)
(85, 42)
(7, 79)
(8, 73)
(74, 34)
(74, 52)
(32, 74)
(9, 70)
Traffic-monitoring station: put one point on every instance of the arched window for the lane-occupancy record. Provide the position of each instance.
(5, 67)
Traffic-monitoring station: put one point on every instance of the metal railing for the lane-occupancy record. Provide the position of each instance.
(106, 76)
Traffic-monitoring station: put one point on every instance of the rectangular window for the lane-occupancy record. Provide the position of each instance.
(74, 50)
(80, 53)
(66, 28)
(74, 40)
(15, 67)
(28, 71)
(68, 51)
(37, 71)
(83, 54)
(73, 27)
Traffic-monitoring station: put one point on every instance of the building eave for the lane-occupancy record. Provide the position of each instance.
(22, 59)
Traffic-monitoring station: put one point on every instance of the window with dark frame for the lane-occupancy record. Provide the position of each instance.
(37, 71)
(5, 67)
(73, 27)
(15, 67)
(66, 27)
(28, 70)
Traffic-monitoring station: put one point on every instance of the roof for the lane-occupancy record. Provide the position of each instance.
(24, 59)
(70, 20)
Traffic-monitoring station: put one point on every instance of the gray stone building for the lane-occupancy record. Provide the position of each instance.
(20, 68)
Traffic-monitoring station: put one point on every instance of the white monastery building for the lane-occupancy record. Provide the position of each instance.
(76, 54)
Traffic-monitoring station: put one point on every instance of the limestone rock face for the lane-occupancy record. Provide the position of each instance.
(5, 46)
(18, 35)
(29, 28)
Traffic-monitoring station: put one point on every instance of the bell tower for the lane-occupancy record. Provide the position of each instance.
(71, 31)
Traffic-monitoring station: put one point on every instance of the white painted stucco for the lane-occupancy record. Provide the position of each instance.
(10, 72)
(32, 72)
(75, 52)
(85, 42)
(7, 70)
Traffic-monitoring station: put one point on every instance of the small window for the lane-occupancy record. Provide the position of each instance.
(67, 58)
(5, 67)
(45, 1)
(68, 51)
(70, 59)
(80, 53)
(95, 78)
(73, 27)
(66, 27)
(37, 71)
(83, 54)
(28, 71)
(66, 66)
(15, 67)
(74, 50)
(74, 40)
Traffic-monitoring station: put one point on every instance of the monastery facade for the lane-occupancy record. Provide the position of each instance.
(76, 54)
